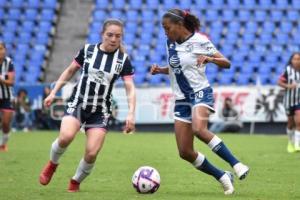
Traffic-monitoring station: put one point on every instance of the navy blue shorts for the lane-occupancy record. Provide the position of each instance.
(291, 111)
(6, 104)
(88, 119)
(183, 108)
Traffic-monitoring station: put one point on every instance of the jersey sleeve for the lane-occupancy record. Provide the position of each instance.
(209, 47)
(11, 67)
(284, 76)
(79, 58)
(128, 69)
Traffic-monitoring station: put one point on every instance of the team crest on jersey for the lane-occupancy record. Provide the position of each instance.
(189, 47)
(119, 66)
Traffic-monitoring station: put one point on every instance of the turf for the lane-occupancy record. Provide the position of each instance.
(274, 174)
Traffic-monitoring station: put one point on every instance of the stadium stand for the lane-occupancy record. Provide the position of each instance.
(257, 35)
(27, 27)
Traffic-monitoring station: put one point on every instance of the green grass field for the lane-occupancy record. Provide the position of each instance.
(274, 174)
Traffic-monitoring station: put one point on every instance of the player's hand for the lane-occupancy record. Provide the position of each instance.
(201, 59)
(155, 69)
(129, 124)
(48, 100)
(292, 86)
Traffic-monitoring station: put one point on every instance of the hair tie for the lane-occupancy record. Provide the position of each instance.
(185, 13)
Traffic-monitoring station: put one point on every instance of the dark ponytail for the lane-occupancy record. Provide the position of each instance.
(190, 21)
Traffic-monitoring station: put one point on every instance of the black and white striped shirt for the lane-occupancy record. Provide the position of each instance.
(99, 72)
(292, 96)
(6, 67)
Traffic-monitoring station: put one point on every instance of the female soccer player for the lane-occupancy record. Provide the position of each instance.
(290, 80)
(188, 52)
(90, 102)
(7, 80)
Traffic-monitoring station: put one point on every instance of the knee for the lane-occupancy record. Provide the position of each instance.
(91, 156)
(65, 140)
(186, 155)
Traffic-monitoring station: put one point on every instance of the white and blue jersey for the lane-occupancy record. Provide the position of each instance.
(188, 79)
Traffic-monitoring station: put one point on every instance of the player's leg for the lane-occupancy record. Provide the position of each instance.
(184, 139)
(94, 143)
(290, 131)
(297, 130)
(200, 117)
(68, 129)
(6, 122)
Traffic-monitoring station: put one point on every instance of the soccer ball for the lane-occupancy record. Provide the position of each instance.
(146, 180)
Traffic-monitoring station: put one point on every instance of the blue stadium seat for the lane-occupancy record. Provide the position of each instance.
(201, 4)
(24, 38)
(248, 38)
(148, 15)
(217, 3)
(268, 27)
(265, 38)
(247, 68)
(119, 4)
(250, 4)
(139, 79)
(244, 15)
(42, 38)
(282, 38)
(286, 26)
(33, 4)
(186, 4)
(27, 26)
(16, 3)
(264, 69)
(44, 26)
(135, 4)
(234, 26)
(47, 15)
(251, 27)
(131, 27)
(260, 15)
(295, 4)
(132, 15)
(243, 79)
(10, 26)
(93, 38)
(281, 4)
(266, 4)
(8, 37)
(225, 79)
(212, 15)
(156, 80)
(169, 4)
(30, 14)
(228, 15)
(293, 15)
(49, 4)
(152, 4)
(102, 4)
(233, 3)
(14, 14)
(117, 14)
(99, 15)
(146, 38)
(276, 15)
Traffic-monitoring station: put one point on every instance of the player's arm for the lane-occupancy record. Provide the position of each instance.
(67, 74)
(216, 58)
(155, 69)
(131, 99)
(283, 83)
(10, 81)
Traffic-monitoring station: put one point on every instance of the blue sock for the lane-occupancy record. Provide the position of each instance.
(208, 168)
(222, 151)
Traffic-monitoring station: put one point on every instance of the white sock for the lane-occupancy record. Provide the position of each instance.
(214, 142)
(56, 151)
(5, 137)
(199, 160)
(83, 170)
(297, 139)
(291, 134)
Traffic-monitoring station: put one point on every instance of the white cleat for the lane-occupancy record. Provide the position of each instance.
(227, 182)
(241, 170)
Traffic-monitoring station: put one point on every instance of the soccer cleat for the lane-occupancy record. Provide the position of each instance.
(290, 148)
(241, 170)
(227, 182)
(4, 148)
(47, 173)
(73, 186)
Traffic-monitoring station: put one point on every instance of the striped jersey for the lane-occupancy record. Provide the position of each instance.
(186, 76)
(99, 72)
(6, 67)
(292, 96)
